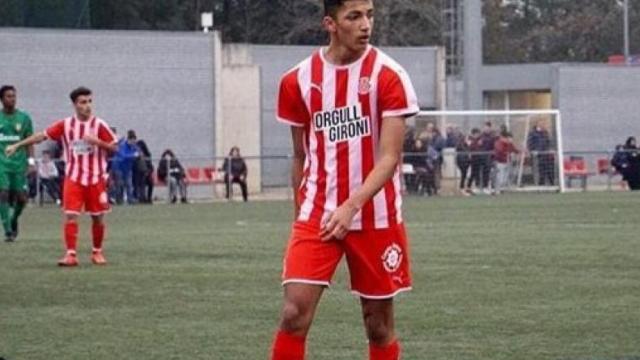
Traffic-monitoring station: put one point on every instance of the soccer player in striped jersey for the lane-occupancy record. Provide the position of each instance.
(87, 142)
(346, 105)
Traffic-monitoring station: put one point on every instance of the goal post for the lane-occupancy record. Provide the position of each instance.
(536, 134)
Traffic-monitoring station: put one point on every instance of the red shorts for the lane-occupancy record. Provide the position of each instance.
(91, 198)
(378, 260)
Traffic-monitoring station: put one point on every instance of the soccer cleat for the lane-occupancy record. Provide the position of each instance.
(9, 237)
(97, 258)
(69, 260)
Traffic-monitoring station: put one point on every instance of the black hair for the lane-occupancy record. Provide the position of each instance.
(81, 91)
(6, 88)
(331, 7)
(475, 131)
(168, 152)
(131, 135)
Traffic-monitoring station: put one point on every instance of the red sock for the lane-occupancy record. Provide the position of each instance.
(71, 235)
(389, 352)
(288, 347)
(97, 231)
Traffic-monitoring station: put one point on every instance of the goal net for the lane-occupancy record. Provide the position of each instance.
(483, 152)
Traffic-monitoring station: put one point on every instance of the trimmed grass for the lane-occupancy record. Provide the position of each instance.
(513, 277)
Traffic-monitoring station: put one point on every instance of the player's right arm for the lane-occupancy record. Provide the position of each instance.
(292, 110)
(31, 140)
(53, 132)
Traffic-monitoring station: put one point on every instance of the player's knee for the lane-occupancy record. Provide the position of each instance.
(379, 331)
(4, 197)
(295, 318)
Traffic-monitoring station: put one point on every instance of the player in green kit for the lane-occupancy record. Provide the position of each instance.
(15, 125)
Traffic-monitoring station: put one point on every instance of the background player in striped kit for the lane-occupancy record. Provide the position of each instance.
(87, 142)
(346, 105)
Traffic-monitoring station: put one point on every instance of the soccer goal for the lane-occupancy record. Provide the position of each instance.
(466, 142)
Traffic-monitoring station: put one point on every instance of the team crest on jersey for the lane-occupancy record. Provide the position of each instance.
(364, 87)
(392, 258)
(342, 124)
(18, 127)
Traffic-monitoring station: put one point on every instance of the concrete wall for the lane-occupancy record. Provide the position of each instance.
(240, 125)
(158, 83)
(420, 63)
(517, 77)
(599, 105)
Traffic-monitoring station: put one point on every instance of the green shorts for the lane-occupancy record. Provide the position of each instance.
(13, 181)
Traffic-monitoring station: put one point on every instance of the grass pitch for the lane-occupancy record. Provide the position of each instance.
(515, 277)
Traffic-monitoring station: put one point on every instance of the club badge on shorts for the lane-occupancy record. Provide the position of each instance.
(392, 258)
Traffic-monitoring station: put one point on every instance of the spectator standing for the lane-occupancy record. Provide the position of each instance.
(454, 137)
(633, 158)
(475, 151)
(49, 177)
(502, 154)
(123, 163)
(143, 174)
(539, 144)
(171, 172)
(235, 171)
(487, 144)
(463, 161)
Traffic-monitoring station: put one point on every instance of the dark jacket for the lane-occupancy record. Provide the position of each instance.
(235, 166)
(539, 141)
(463, 157)
(173, 168)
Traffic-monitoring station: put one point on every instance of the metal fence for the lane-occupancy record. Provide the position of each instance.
(207, 179)
(534, 172)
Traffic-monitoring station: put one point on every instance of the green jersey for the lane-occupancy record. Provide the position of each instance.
(13, 128)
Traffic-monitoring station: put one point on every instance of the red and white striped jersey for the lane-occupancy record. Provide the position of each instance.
(341, 109)
(85, 164)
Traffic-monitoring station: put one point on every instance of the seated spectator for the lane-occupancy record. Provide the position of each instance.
(171, 172)
(620, 162)
(49, 177)
(235, 171)
(417, 157)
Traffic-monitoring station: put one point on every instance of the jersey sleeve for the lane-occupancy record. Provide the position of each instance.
(55, 131)
(396, 96)
(105, 134)
(291, 108)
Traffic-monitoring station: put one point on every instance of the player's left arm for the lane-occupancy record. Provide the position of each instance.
(391, 141)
